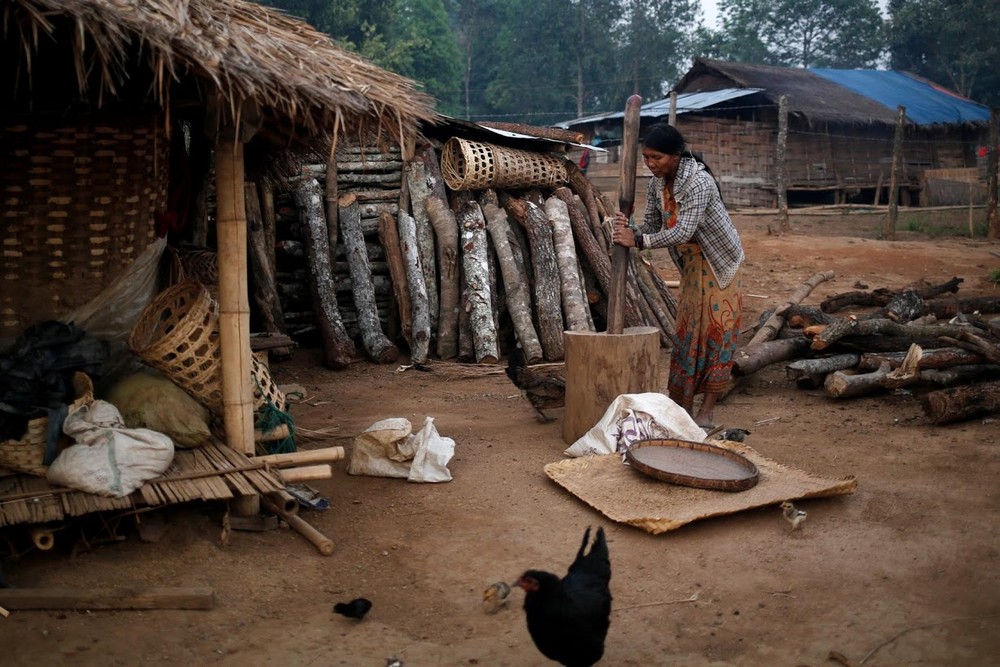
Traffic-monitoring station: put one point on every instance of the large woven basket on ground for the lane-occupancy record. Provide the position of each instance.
(471, 165)
(178, 334)
(27, 455)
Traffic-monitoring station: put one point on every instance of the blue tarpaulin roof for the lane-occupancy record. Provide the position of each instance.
(925, 102)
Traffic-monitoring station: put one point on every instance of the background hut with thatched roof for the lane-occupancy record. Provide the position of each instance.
(114, 111)
(841, 126)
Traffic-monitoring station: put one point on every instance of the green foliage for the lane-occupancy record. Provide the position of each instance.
(806, 33)
(994, 276)
(953, 42)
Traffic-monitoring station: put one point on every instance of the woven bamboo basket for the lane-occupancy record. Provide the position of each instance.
(27, 455)
(178, 334)
(471, 165)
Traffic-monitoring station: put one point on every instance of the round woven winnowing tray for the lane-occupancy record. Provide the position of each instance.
(694, 464)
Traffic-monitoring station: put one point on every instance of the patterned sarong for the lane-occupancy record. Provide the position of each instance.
(707, 325)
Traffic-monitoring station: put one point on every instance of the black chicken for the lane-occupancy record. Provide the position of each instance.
(544, 385)
(568, 618)
(356, 608)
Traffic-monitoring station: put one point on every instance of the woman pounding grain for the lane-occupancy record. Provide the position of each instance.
(686, 215)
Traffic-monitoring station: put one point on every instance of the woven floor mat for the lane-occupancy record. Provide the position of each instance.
(625, 495)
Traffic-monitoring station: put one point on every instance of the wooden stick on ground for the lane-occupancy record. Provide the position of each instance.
(777, 320)
(323, 543)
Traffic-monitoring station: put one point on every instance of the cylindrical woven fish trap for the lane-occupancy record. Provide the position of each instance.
(471, 165)
(178, 335)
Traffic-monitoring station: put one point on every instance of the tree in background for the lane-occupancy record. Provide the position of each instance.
(953, 42)
(655, 39)
(803, 33)
(424, 48)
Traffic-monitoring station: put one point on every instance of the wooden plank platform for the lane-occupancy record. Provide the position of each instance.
(210, 472)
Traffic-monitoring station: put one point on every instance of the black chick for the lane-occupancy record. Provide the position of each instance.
(568, 618)
(544, 387)
(356, 608)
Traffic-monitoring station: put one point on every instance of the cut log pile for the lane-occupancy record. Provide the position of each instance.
(943, 349)
(377, 256)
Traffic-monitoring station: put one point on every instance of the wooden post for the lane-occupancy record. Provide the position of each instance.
(993, 219)
(672, 118)
(626, 203)
(602, 366)
(889, 229)
(781, 185)
(234, 301)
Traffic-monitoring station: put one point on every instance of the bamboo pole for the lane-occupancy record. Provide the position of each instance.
(325, 455)
(319, 540)
(234, 301)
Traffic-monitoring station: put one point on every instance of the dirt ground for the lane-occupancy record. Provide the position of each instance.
(906, 571)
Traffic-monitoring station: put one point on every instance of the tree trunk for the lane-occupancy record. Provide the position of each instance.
(442, 219)
(661, 287)
(574, 300)
(331, 197)
(849, 385)
(418, 291)
(810, 373)
(545, 273)
(882, 296)
(943, 357)
(751, 359)
(416, 179)
(959, 403)
(584, 189)
(477, 279)
(515, 284)
(380, 349)
(851, 327)
(338, 348)
(388, 234)
(265, 292)
(659, 308)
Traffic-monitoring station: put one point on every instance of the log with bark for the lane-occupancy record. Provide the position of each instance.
(420, 312)
(847, 384)
(416, 180)
(770, 328)
(811, 373)
(961, 403)
(749, 359)
(515, 283)
(545, 273)
(977, 344)
(378, 346)
(943, 357)
(856, 327)
(472, 226)
(442, 219)
(338, 348)
(581, 186)
(574, 300)
(882, 296)
(265, 292)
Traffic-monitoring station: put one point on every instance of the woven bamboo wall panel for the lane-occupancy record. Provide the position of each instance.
(78, 204)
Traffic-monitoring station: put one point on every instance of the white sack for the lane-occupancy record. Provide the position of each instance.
(634, 417)
(108, 459)
(388, 448)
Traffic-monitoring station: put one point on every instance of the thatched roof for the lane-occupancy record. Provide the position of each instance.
(236, 49)
(811, 97)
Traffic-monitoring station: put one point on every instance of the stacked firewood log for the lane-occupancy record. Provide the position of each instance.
(921, 338)
(452, 275)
